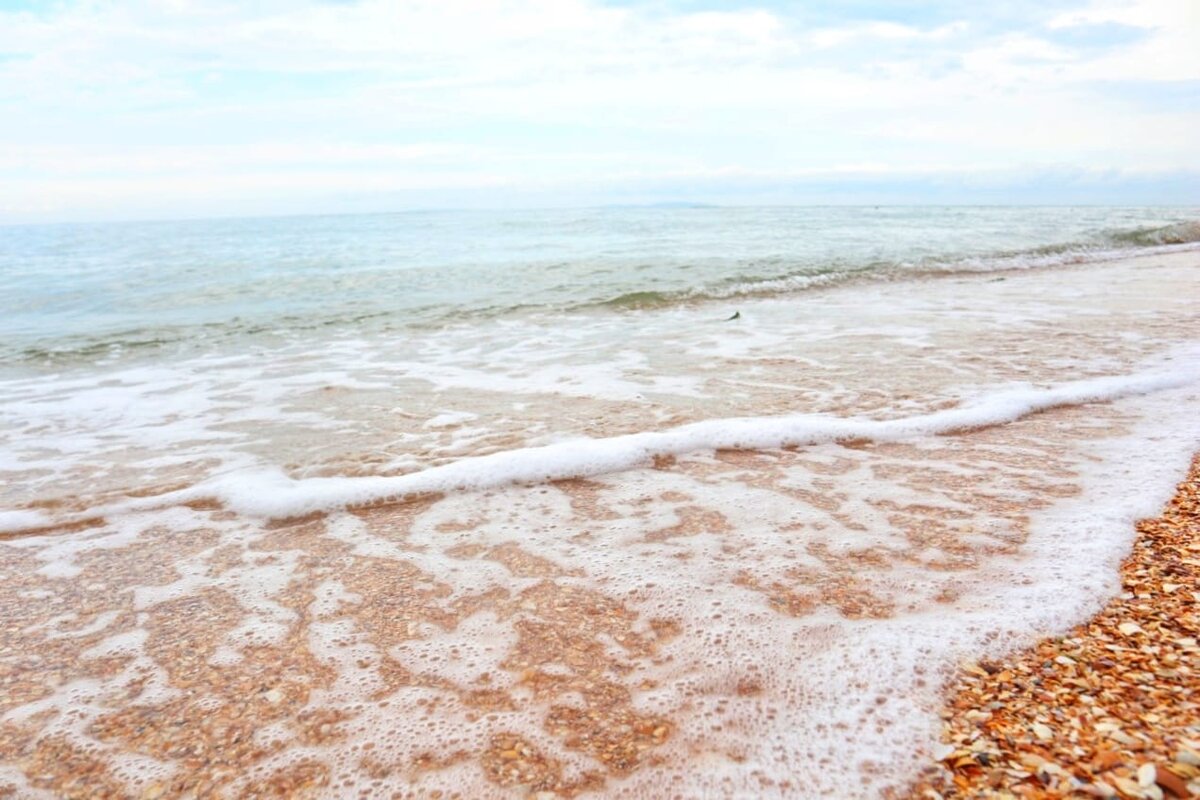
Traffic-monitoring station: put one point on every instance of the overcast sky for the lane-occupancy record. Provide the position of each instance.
(180, 108)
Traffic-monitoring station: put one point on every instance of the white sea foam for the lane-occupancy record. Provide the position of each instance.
(273, 494)
(846, 707)
(22, 520)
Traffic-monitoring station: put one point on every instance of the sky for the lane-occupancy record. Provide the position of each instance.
(125, 110)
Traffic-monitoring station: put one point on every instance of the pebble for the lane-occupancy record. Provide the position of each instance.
(1121, 692)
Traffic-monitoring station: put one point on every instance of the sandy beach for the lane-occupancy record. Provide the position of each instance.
(1107, 710)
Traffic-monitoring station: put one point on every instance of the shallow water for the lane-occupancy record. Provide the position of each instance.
(78, 293)
(571, 550)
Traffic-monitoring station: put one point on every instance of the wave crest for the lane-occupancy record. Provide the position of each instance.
(1178, 233)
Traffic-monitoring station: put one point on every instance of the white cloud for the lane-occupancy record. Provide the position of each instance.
(144, 101)
(261, 157)
(1168, 52)
(1143, 14)
(835, 37)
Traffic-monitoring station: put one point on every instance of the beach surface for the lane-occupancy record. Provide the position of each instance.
(1110, 708)
(631, 552)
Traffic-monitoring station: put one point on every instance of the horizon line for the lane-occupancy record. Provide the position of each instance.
(681, 205)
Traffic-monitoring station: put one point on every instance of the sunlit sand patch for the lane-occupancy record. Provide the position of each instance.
(586, 499)
(524, 564)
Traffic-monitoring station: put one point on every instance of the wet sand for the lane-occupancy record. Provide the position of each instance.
(357, 656)
(1111, 709)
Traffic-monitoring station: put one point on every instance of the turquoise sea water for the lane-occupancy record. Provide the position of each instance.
(77, 293)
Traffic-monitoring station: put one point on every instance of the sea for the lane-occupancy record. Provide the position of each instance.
(671, 501)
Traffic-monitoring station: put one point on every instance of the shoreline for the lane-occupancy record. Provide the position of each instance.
(1105, 710)
(607, 635)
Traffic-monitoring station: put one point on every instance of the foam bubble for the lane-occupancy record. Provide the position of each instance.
(22, 520)
(271, 493)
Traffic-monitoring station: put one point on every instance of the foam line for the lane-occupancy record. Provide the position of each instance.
(272, 494)
(16, 521)
(269, 493)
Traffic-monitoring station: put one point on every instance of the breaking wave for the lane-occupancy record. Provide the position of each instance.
(1106, 246)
